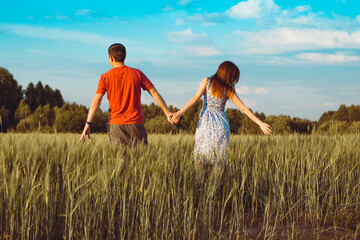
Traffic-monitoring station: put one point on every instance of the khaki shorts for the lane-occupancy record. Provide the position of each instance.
(127, 134)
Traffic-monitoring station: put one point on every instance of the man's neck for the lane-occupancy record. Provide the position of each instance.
(117, 64)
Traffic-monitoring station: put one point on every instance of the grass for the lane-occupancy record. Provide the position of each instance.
(278, 187)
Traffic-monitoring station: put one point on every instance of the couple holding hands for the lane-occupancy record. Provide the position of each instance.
(123, 86)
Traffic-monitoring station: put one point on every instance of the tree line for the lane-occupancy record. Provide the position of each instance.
(40, 108)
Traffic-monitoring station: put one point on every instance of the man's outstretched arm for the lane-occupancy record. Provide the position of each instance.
(161, 102)
(94, 106)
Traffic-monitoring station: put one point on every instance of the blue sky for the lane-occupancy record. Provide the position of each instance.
(298, 58)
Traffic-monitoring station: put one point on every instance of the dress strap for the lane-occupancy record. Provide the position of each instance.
(208, 86)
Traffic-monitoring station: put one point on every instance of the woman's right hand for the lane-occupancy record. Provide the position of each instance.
(265, 128)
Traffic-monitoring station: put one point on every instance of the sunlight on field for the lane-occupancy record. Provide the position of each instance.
(279, 187)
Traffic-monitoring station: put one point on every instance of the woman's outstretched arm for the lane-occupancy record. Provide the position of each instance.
(264, 126)
(192, 100)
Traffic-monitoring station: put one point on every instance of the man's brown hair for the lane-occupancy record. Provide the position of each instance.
(118, 52)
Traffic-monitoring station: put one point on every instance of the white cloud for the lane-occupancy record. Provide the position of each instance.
(56, 34)
(305, 20)
(289, 39)
(198, 44)
(261, 91)
(168, 7)
(84, 12)
(252, 9)
(330, 104)
(204, 51)
(244, 90)
(61, 16)
(205, 19)
(196, 50)
(186, 36)
(358, 18)
(185, 2)
(339, 57)
(268, 13)
(180, 22)
(296, 106)
(302, 16)
(290, 13)
(304, 8)
(250, 103)
(58, 16)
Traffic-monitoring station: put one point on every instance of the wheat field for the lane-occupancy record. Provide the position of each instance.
(277, 187)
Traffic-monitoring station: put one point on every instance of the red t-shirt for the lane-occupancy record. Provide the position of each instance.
(123, 86)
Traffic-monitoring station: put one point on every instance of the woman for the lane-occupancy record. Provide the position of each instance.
(213, 132)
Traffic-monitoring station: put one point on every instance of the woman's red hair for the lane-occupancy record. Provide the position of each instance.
(224, 80)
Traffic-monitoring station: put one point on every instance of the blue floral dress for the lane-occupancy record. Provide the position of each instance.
(213, 131)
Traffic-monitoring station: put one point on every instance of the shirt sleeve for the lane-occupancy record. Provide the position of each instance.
(101, 86)
(146, 84)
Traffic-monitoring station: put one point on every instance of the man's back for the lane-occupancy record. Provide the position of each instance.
(123, 86)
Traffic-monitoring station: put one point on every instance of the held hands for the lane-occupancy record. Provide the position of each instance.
(173, 118)
(169, 117)
(176, 117)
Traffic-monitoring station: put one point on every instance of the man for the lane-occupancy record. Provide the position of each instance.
(123, 86)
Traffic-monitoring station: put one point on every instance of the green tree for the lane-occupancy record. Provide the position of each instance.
(189, 121)
(333, 127)
(156, 121)
(173, 109)
(151, 111)
(70, 118)
(354, 113)
(40, 96)
(327, 116)
(248, 126)
(279, 124)
(25, 125)
(22, 112)
(342, 114)
(31, 97)
(45, 117)
(58, 98)
(301, 125)
(4, 119)
(42, 120)
(100, 121)
(160, 124)
(10, 95)
(235, 117)
(339, 121)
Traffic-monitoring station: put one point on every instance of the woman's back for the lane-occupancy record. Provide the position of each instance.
(212, 103)
(213, 131)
